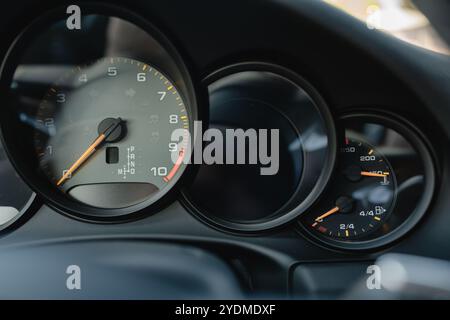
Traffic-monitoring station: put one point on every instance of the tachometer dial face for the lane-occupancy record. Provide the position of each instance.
(360, 198)
(103, 133)
(98, 121)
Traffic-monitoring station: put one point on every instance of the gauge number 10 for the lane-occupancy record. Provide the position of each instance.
(159, 171)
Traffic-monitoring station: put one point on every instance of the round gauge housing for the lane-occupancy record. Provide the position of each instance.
(382, 185)
(258, 100)
(16, 198)
(91, 113)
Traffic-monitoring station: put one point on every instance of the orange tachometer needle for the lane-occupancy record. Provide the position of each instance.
(89, 151)
(373, 174)
(326, 214)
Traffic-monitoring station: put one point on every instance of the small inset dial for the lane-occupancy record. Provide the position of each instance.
(360, 198)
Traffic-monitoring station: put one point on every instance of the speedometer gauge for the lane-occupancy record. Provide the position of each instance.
(104, 133)
(98, 120)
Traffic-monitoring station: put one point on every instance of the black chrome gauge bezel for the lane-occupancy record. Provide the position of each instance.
(195, 94)
(293, 210)
(421, 145)
(31, 206)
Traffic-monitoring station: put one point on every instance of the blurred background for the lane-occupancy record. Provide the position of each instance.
(424, 23)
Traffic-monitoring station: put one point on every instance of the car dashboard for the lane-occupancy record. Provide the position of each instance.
(218, 150)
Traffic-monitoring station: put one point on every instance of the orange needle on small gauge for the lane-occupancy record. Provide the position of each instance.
(326, 214)
(89, 151)
(374, 174)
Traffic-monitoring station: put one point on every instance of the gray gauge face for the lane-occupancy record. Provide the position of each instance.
(15, 196)
(103, 133)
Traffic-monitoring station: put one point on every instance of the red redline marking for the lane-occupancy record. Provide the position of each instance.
(175, 168)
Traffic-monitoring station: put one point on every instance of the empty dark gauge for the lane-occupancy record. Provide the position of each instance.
(254, 97)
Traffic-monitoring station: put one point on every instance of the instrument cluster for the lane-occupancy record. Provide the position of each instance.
(88, 124)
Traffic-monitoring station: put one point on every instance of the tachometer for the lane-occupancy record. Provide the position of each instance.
(98, 120)
(104, 133)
